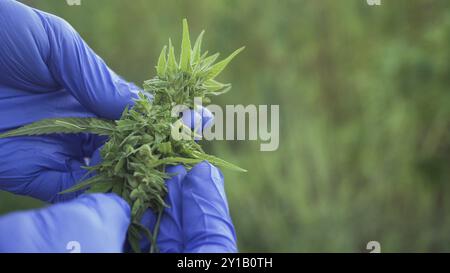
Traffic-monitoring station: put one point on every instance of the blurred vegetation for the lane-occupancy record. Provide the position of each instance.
(365, 112)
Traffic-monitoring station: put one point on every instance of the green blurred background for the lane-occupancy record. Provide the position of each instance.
(364, 112)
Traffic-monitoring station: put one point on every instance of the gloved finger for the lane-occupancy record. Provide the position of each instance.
(76, 173)
(92, 145)
(22, 62)
(170, 238)
(42, 167)
(48, 185)
(91, 223)
(198, 119)
(42, 52)
(83, 73)
(207, 116)
(207, 225)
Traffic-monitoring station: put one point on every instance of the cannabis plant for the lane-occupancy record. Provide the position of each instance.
(141, 144)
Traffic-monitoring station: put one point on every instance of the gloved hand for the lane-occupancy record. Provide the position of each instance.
(90, 223)
(198, 218)
(48, 71)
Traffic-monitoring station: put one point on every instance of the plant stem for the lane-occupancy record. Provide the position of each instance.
(154, 247)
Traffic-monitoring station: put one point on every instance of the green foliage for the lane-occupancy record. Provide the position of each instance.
(140, 144)
(64, 125)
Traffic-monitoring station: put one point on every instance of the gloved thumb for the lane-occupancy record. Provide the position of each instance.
(207, 224)
(62, 180)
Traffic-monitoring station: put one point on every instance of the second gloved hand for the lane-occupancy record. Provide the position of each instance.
(197, 219)
(91, 223)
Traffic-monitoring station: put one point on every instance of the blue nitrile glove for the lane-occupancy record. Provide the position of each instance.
(90, 223)
(170, 238)
(207, 225)
(48, 71)
(197, 120)
(198, 218)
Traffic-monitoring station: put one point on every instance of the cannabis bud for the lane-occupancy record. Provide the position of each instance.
(140, 144)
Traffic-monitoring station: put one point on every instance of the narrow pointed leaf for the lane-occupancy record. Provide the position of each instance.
(216, 88)
(87, 183)
(100, 187)
(208, 61)
(101, 126)
(176, 161)
(218, 162)
(171, 62)
(185, 57)
(196, 52)
(161, 68)
(220, 66)
(65, 125)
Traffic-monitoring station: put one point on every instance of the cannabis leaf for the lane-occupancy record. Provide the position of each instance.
(65, 125)
(185, 56)
(219, 67)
